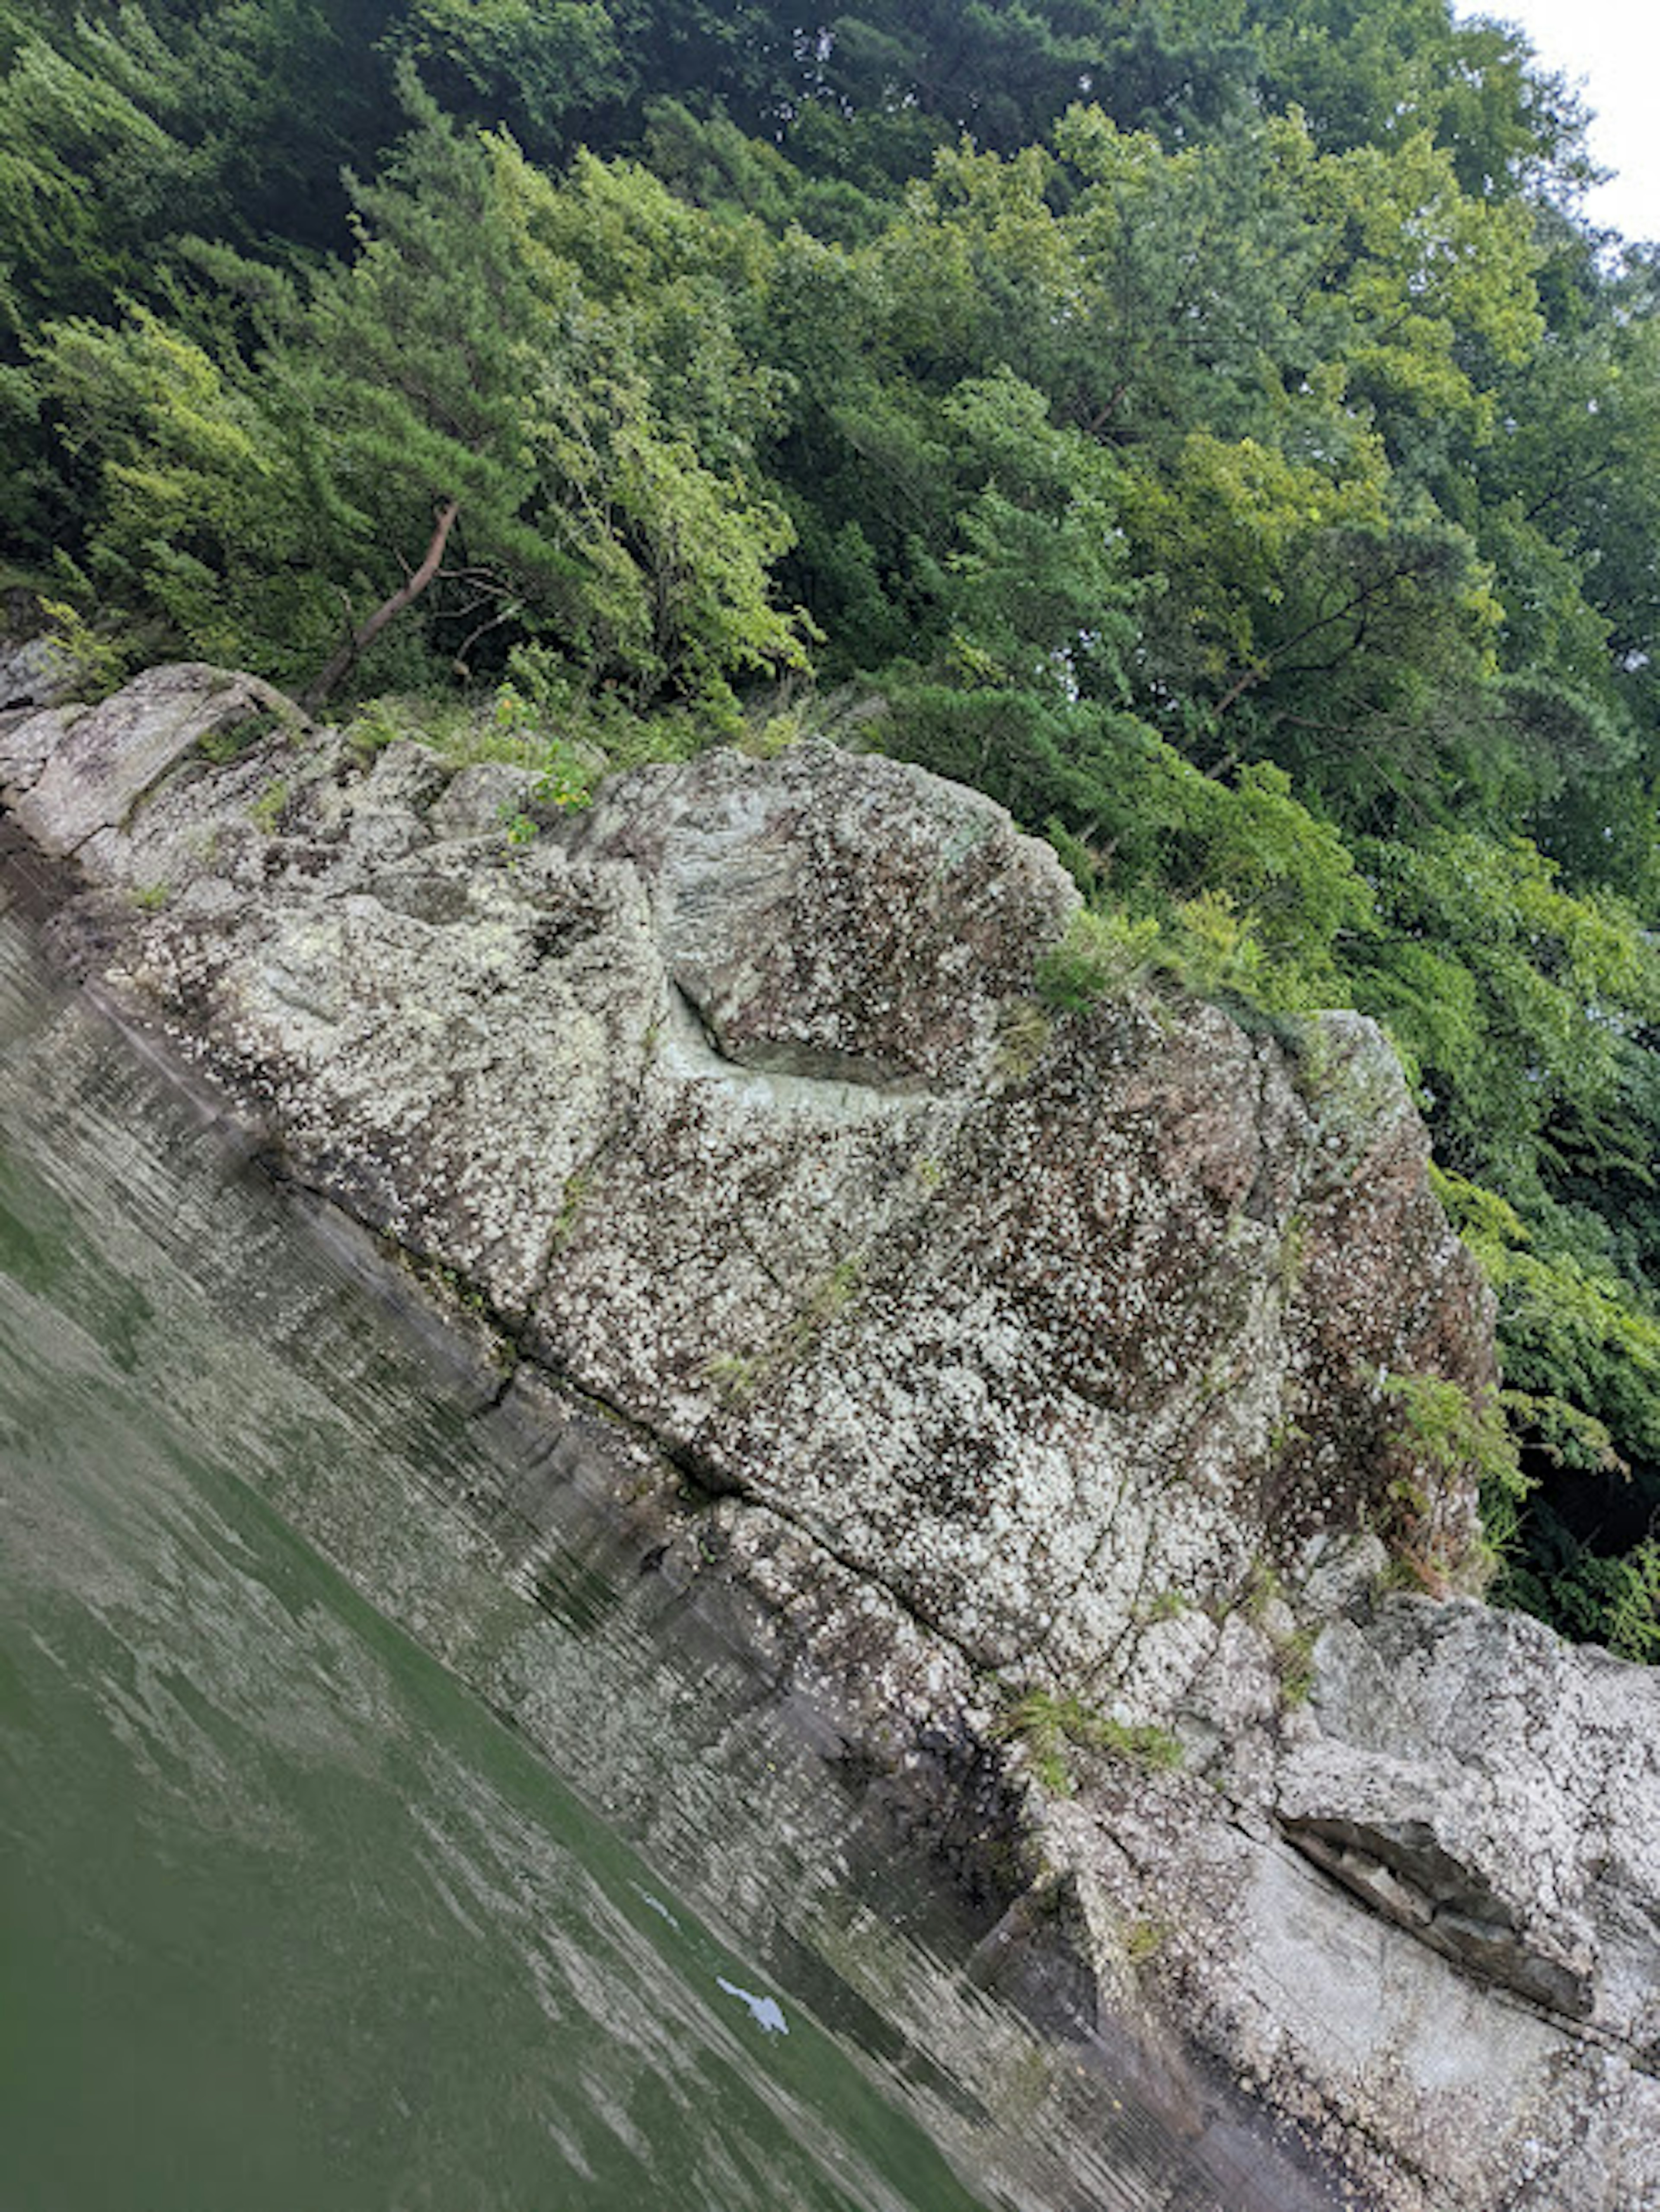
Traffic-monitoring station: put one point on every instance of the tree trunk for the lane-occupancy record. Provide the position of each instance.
(359, 640)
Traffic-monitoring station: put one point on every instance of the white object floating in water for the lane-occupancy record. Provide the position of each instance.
(767, 2011)
(656, 1905)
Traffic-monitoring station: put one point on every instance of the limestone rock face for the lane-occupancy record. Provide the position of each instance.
(1481, 2032)
(731, 1099)
(84, 768)
(1017, 1353)
(1499, 1791)
(832, 917)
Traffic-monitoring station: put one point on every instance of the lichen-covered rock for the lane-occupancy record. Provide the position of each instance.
(1500, 1792)
(1435, 2089)
(34, 672)
(734, 1093)
(831, 916)
(69, 771)
(1017, 1354)
(1481, 2033)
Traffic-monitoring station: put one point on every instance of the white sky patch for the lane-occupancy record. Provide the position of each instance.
(1611, 49)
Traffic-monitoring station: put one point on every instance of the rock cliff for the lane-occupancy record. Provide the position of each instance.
(1041, 1374)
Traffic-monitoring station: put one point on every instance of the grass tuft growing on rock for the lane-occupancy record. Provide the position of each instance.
(1051, 1727)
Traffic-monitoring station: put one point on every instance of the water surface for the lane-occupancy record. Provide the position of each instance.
(288, 1917)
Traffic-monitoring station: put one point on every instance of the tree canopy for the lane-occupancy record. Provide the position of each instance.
(1211, 426)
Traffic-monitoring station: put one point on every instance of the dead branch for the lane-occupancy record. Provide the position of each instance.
(358, 642)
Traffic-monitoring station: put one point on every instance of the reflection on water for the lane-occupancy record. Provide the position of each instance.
(288, 1917)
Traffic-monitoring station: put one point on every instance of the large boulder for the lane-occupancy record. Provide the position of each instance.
(732, 1100)
(34, 672)
(1422, 1913)
(1044, 1371)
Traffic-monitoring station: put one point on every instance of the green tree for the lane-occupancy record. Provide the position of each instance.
(449, 410)
(1512, 996)
(541, 64)
(1376, 72)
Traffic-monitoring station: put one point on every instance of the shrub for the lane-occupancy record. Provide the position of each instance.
(1103, 955)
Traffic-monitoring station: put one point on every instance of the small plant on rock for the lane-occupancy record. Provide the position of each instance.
(1216, 948)
(1022, 1037)
(1051, 1726)
(1103, 956)
(735, 1377)
(232, 739)
(574, 1191)
(1293, 1662)
(266, 811)
(565, 779)
(1166, 1605)
(1144, 1939)
(372, 728)
(1447, 1432)
(1444, 1434)
(517, 727)
(94, 663)
(829, 1295)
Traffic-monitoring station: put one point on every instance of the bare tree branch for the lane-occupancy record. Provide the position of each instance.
(359, 640)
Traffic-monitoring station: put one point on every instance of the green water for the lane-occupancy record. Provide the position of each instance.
(288, 1917)
(290, 1920)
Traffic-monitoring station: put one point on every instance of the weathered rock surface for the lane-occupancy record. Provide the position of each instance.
(1485, 2024)
(1005, 1353)
(34, 672)
(77, 769)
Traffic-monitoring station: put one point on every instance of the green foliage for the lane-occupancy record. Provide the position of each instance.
(1253, 893)
(1578, 1343)
(234, 738)
(830, 1296)
(1583, 1352)
(533, 62)
(1143, 1940)
(564, 778)
(1101, 956)
(1023, 1030)
(572, 1199)
(1051, 1727)
(266, 812)
(1613, 1601)
(201, 525)
(247, 494)
(1443, 1436)
(1367, 76)
(1219, 953)
(375, 725)
(1511, 995)
(1441, 1425)
(1211, 430)
(94, 663)
(736, 1376)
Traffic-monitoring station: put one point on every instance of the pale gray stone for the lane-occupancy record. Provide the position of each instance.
(34, 672)
(1005, 1352)
(101, 760)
